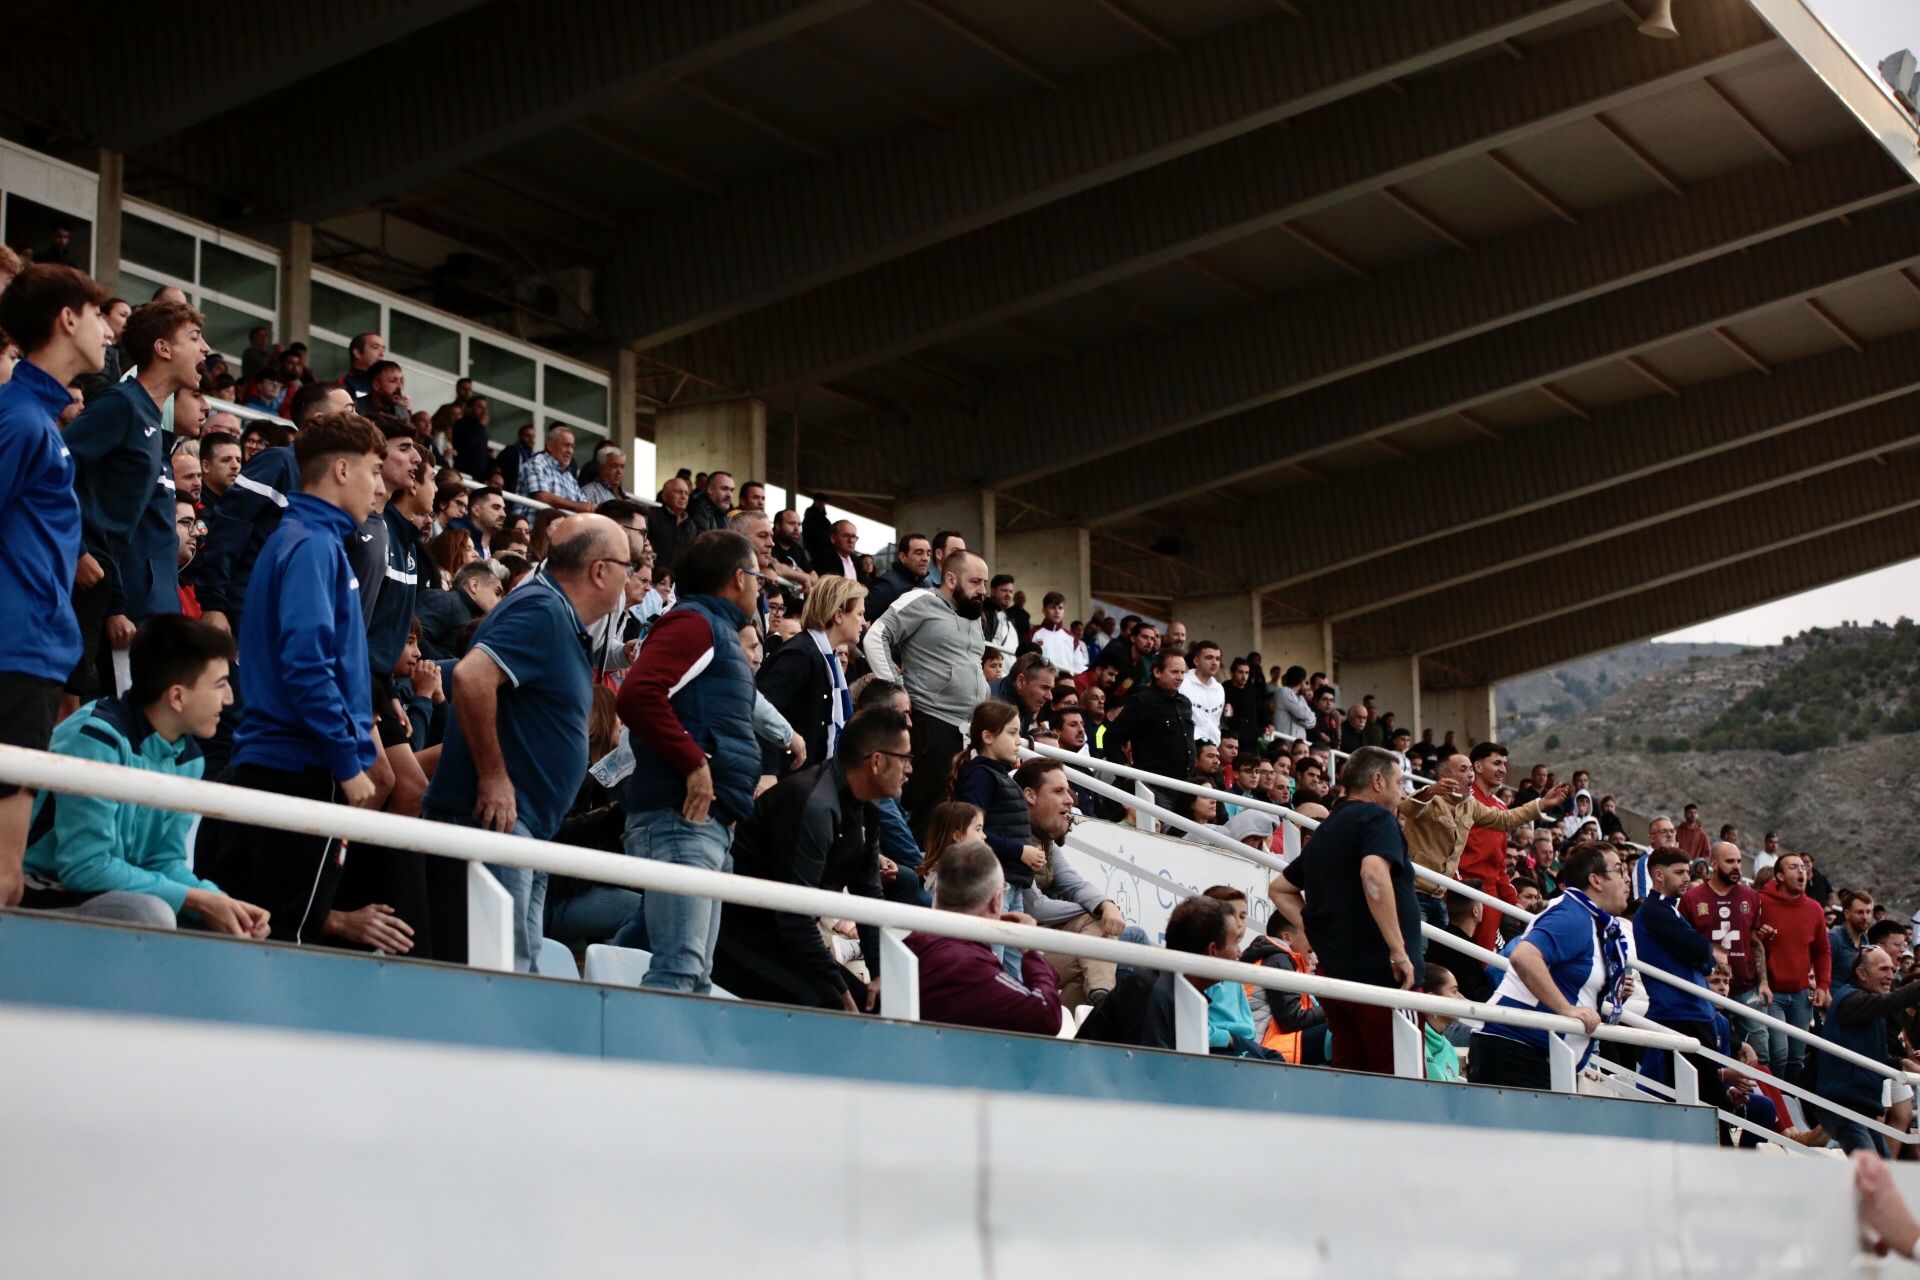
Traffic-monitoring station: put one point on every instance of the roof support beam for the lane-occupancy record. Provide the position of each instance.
(1131, 157)
(1829, 558)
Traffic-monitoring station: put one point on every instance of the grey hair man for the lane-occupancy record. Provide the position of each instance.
(962, 981)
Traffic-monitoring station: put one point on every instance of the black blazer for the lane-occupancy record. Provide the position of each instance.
(795, 680)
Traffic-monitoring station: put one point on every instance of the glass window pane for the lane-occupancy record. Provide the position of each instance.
(575, 395)
(411, 339)
(136, 288)
(343, 312)
(245, 278)
(156, 247)
(328, 360)
(227, 329)
(501, 370)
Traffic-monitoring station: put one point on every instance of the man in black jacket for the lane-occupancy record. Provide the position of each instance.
(912, 556)
(1140, 1010)
(818, 828)
(477, 587)
(1157, 723)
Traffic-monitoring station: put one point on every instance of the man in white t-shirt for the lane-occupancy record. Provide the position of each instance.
(1204, 691)
(1768, 855)
(1057, 644)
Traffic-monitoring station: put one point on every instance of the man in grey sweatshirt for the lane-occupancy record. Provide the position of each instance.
(931, 642)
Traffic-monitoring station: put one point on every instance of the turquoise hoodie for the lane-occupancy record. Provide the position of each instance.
(1228, 1014)
(89, 845)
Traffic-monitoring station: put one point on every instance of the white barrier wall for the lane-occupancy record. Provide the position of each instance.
(164, 1148)
(1147, 874)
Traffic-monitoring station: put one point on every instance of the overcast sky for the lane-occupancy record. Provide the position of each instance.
(1873, 29)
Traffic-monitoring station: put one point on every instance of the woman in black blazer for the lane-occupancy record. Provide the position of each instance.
(802, 676)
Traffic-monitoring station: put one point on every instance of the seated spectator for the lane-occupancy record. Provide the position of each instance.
(547, 476)
(818, 829)
(669, 527)
(1863, 999)
(1290, 1024)
(710, 507)
(580, 913)
(953, 822)
(1029, 687)
(1230, 1026)
(964, 982)
(126, 862)
(478, 586)
(1059, 897)
(1140, 1010)
(1463, 917)
(1443, 1060)
(610, 476)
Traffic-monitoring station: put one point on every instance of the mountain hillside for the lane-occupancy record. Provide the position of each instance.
(1813, 738)
(1546, 697)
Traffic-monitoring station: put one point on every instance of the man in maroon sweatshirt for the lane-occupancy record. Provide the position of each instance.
(1799, 964)
(963, 982)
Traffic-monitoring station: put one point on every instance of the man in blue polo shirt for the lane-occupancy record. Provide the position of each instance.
(1571, 961)
(52, 313)
(516, 744)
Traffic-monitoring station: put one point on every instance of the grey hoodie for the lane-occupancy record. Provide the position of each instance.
(920, 641)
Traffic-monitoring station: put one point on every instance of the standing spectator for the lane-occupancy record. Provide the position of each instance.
(126, 498)
(687, 702)
(1799, 963)
(53, 315)
(184, 465)
(509, 462)
(786, 545)
(219, 465)
(1353, 730)
(1664, 940)
(610, 475)
(1847, 937)
(1572, 960)
(114, 366)
(1440, 819)
(963, 982)
(931, 642)
(1058, 645)
(1863, 1000)
(1769, 853)
(1692, 835)
(1293, 714)
(386, 396)
(1486, 851)
(485, 519)
(365, 351)
(548, 475)
(1244, 705)
(1140, 1010)
(710, 507)
(985, 780)
(308, 728)
(1819, 888)
(1204, 692)
(1726, 913)
(472, 449)
(1157, 723)
(1357, 882)
(911, 558)
(818, 829)
(669, 527)
(804, 680)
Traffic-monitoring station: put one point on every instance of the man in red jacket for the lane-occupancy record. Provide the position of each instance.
(963, 982)
(1486, 852)
(1799, 963)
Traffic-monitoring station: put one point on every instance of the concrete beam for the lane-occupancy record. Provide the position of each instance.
(1466, 712)
(1043, 560)
(1512, 547)
(1308, 644)
(1605, 271)
(1595, 577)
(1831, 558)
(714, 435)
(1232, 621)
(973, 515)
(1393, 680)
(685, 268)
(1213, 197)
(110, 197)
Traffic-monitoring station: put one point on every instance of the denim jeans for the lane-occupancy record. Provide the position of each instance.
(528, 889)
(1785, 1055)
(1852, 1135)
(1433, 911)
(592, 915)
(1014, 900)
(682, 930)
(1751, 1030)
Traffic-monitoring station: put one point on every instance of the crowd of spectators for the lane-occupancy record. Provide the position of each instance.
(356, 608)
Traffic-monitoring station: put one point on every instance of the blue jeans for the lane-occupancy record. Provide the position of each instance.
(1752, 1030)
(593, 915)
(682, 930)
(1433, 911)
(528, 889)
(1852, 1135)
(1014, 900)
(1785, 1055)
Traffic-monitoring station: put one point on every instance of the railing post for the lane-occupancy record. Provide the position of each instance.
(899, 977)
(489, 921)
(1141, 818)
(1686, 1081)
(1189, 1017)
(1409, 1047)
(1560, 1063)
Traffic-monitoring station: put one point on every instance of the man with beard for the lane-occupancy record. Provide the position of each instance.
(1727, 913)
(931, 641)
(1486, 851)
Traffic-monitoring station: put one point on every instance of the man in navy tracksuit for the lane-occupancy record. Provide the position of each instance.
(1663, 939)
(118, 470)
(308, 726)
(53, 314)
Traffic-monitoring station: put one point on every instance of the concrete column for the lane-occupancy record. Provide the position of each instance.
(1310, 644)
(106, 222)
(296, 282)
(971, 514)
(1044, 560)
(718, 435)
(626, 403)
(1394, 682)
(1231, 621)
(1469, 711)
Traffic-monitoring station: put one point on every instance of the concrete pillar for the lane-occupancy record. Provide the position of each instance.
(1231, 621)
(1309, 643)
(717, 435)
(296, 282)
(1469, 711)
(1394, 681)
(970, 514)
(106, 222)
(1044, 560)
(626, 403)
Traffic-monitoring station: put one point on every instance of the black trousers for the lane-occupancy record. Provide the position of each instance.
(1498, 1060)
(294, 876)
(935, 744)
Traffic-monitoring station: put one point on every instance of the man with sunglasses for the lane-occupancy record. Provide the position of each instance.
(687, 702)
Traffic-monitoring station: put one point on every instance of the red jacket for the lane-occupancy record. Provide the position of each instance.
(1799, 943)
(962, 983)
(1486, 852)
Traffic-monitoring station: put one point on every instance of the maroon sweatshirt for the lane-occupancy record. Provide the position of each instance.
(1799, 943)
(962, 983)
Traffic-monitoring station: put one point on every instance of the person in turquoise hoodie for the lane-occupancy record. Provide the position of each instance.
(91, 856)
(1229, 1015)
(1443, 1060)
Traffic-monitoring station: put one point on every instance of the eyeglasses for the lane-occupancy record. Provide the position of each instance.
(631, 566)
(754, 572)
(897, 755)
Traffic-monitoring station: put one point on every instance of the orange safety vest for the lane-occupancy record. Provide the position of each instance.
(1284, 1043)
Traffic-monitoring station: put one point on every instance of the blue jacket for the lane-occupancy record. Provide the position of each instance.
(239, 524)
(1664, 940)
(39, 528)
(1845, 1083)
(90, 845)
(151, 580)
(117, 465)
(393, 607)
(303, 650)
(716, 710)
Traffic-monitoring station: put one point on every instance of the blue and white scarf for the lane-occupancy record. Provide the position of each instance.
(842, 696)
(1613, 953)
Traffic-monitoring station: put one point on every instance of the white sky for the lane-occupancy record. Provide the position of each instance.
(1873, 29)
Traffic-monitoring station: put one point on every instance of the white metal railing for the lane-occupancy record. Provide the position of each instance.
(1650, 971)
(46, 772)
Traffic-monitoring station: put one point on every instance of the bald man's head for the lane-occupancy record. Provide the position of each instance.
(1725, 860)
